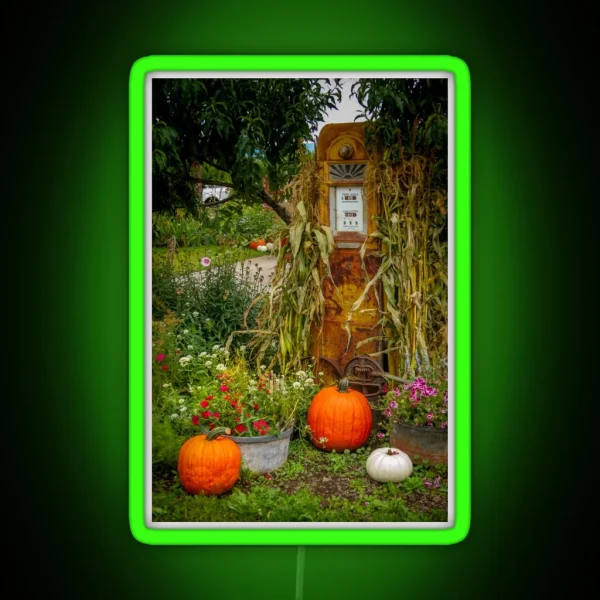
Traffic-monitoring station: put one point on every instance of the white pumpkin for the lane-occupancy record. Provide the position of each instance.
(270, 246)
(262, 248)
(389, 464)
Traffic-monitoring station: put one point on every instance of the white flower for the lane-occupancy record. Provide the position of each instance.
(203, 354)
(215, 348)
(174, 416)
(185, 331)
(184, 360)
(309, 381)
(181, 400)
(243, 348)
(296, 384)
(166, 385)
(183, 408)
(263, 367)
(207, 320)
(187, 303)
(321, 374)
(301, 375)
(208, 363)
(190, 347)
(213, 356)
(221, 367)
(195, 313)
(199, 387)
(170, 333)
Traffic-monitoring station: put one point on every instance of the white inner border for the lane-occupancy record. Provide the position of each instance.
(148, 292)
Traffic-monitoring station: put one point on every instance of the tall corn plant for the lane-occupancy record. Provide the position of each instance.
(406, 133)
(295, 305)
(414, 269)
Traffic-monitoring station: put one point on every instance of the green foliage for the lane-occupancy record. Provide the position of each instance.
(232, 223)
(248, 128)
(212, 304)
(405, 115)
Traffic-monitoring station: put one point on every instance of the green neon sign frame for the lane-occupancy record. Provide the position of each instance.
(272, 533)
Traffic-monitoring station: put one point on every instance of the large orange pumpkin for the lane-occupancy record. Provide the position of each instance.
(339, 418)
(208, 465)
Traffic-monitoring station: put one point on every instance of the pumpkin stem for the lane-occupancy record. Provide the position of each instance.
(216, 432)
(343, 386)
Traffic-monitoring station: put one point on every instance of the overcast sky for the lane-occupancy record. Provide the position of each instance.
(347, 108)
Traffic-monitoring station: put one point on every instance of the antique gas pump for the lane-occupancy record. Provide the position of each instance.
(347, 207)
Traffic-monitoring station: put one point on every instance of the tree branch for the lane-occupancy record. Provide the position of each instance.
(208, 181)
(282, 211)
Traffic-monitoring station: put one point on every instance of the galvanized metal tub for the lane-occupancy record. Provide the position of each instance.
(264, 454)
(429, 443)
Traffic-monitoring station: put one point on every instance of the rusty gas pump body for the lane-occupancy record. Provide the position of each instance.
(347, 207)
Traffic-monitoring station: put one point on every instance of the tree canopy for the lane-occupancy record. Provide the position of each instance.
(242, 129)
(239, 132)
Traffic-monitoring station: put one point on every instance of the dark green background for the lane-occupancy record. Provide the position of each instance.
(67, 114)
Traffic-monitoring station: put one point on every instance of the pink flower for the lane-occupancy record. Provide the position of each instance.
(205, 261)
(160, 357)
(381, 435)
(429, 416)
(444, 425)
(397, 391)
(393, 404)
(387, 412)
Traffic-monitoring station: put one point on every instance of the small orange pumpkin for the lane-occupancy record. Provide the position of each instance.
(260, 242)
(339, 418)
(254, 245)
(208, 465)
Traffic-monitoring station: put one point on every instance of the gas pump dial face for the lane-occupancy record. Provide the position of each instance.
(349, 209)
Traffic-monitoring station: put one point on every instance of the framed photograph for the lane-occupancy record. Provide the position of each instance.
(299, 288)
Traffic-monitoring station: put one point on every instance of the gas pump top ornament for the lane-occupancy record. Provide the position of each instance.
(346, 151)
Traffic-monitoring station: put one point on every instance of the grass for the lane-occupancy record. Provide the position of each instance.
(186, 256)
(312, 486)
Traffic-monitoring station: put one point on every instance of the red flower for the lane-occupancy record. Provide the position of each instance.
(255, 406)
(267, 476)
(204, 404)
(219, 376)
(217, 415)
(195, 419)
(240, 428)
(206, 414)
(165, 368)
(261, 426)
(160, 357)
(224, 388)
(209, 398)
(178, 351)
(211, 426)
(248, 414)
(283, 241)
(237, 419)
